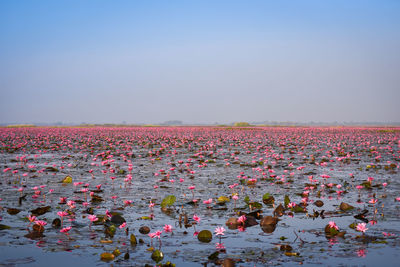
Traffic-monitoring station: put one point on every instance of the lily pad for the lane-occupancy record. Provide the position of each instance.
(144, 230)
(67, 180)
(345, 207)
(168, 201)
(13, 211)
(223, 199)
(117, 219)
(157, 255)
(107, 256)
(41, 210)
(133, 240)
(4, 227)
(204, 236)
(268, 199)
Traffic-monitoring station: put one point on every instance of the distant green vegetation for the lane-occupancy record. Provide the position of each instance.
(20, 125)
(241, 124)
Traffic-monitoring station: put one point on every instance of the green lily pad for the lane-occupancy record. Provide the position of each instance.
(168, 201)
(67, 180)
(223, 199)
(157, 255)
(4, 227)
(204, 236)
(133, 240)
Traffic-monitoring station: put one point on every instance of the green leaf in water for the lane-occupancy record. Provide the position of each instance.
(168, 201)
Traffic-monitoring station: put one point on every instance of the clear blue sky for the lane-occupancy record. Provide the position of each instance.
(199, 61)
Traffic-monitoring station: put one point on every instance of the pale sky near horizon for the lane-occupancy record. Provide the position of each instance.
(199, 61)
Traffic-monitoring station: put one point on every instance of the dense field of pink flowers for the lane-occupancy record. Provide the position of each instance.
(196, 195)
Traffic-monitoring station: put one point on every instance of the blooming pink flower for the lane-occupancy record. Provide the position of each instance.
(31, 218)
(192, 187)
(373, 201)
(219, 231)
(93, 218)
(65, 230)
(123, 225)
(156, 234)
(196, 218)
(361, 227)
(333, 225)
(242, 219)
(207, 202)
(40, 222)
(167, 228)
(128, 202)
(62, 213)
(109, 215)
(219, 246)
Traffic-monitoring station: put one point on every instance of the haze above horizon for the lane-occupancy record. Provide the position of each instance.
(199, 61)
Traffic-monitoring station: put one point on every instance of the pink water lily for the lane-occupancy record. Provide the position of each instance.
(361, 227)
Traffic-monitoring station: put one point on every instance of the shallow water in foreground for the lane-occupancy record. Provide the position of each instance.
(283, 162)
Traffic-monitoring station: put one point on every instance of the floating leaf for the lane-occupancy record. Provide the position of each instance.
(67, 180)
(268, 220)
(41, 210)
(204, 236)
(117, 219)
(290, 254)
(133, 240)
(286, 248)
(4, 227)
(279, 210)
(13, 211)
(106, 256)
(96, 198)
(157, 255)
(168, 201)
(345, 207)
(116, 252)
(214, 256)
(286, 201)
(319, 203)
(223, 199)
(144, 230)
(268, 199)
(255, 205)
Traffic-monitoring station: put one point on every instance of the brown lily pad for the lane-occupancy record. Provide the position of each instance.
(41, 210)
(345, 207)
(13, 211)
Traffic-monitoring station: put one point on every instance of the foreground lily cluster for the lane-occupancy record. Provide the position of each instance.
(235, 195)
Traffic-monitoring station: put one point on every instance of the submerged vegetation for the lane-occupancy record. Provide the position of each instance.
(153, 195)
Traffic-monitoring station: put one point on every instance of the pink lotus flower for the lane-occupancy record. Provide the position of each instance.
(196, 218)
(208, 202)
(373, 201)
(333, 225)
(167, 228)
(123, 225)
(219, 246)
(156, 234)
(361, 227)
(219, 231)
(93, 218)
(65, 230)
(242, 219)
(40, 223)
